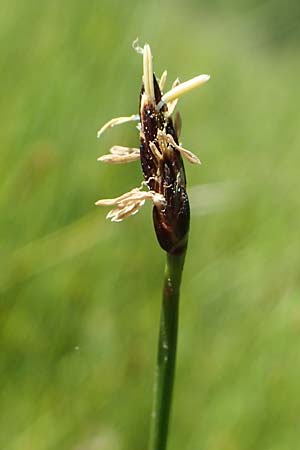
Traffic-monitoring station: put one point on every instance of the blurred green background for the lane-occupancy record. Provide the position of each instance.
(80, 296)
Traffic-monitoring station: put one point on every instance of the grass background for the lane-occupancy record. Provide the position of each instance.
(80, 296)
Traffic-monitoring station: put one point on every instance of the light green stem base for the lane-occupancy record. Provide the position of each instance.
(165, 369)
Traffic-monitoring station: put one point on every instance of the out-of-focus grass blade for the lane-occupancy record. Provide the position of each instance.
(53, 249)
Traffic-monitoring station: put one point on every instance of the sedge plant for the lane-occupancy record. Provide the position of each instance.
(161, 156)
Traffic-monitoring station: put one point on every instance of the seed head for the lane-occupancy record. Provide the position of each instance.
(161, 155)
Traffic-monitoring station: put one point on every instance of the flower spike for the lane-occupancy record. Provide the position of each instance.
(160, 154)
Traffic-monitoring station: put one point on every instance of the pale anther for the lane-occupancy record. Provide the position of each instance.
(182, 88)
(162, 80)
(148, 73)
(117, 121)
(130, 203)
(183, 151)
(121, 155)
(155, 151)
(172, 104)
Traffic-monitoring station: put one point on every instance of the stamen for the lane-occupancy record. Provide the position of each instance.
(162, 80)
(148, 73)
(130, 203)
(172, 105)
(117, 121)
(118, 200)
(183, 151)
(163, 142)
(182, 88)
(121, 155)
(157, 154)
(120, 150)
(119, 214)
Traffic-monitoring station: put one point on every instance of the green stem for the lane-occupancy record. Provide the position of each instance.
(166, 358)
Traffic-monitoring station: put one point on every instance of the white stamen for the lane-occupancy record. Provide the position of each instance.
(120, 150)
(172, 104)
(148, 73)
(121, 155)
(176, 83)
(117, 200)
(130, 203)
(183, 151)
(182, 88)
(119, 214)
(162, 80)
(155, 151)
(158, 199)
(117, 121)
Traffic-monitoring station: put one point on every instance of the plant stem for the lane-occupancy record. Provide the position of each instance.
(166, 357)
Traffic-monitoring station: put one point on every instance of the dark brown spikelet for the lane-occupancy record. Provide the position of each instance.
(161, 158)
(164, 173)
